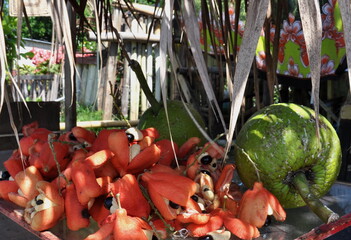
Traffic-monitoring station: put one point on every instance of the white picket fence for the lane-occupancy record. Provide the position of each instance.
(35, 88)
(133, 102)
(142, 48)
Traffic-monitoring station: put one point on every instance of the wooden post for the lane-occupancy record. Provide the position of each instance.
(110, 80)
(125, 85)
(157, 30)
(158, 74)
(102, 69)
(111, 66)
(55, 87)
(149, 61)
(143, 62)
(126, 77)
(70, 84)
(134, 83)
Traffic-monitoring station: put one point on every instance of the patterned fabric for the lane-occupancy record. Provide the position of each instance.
(292, 55)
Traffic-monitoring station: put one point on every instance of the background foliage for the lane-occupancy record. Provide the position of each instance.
(40, 28)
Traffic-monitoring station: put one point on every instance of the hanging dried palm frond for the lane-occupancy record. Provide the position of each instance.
(99, 44)
(345, 8)
(22, 11)
(312, 27)
(270, 74)
(63, 25)
(220, 38)
(256, 14)
(165, 41)
(192, 30)
(3, 65)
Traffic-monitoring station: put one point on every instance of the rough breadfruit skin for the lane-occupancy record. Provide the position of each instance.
(281, 140)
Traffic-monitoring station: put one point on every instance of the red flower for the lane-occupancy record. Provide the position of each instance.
(291, 31)
(261, 60)
(327, 66)
(293, 69)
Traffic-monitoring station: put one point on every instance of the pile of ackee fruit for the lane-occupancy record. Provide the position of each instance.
(133, 185)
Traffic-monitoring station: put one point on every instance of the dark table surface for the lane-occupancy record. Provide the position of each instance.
(301, 220)
(12, 231)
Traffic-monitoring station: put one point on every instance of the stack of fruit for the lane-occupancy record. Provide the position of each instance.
(137, 185)
(132, 185)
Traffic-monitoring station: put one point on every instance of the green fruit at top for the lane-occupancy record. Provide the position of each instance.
(181, 124)
(280, 141)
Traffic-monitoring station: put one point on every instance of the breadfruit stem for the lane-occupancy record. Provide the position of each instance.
(155, 105)
(300, 183)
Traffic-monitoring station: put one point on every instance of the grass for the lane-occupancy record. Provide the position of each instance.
(88, 114)
(84, 113)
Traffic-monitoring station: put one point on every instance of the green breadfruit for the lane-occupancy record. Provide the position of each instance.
(181, 124)
(279, 143)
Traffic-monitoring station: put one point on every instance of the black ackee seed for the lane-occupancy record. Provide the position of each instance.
(268, 221)
(173, 205)
(108, 202)
(85, 213)
(130, 137)
(206, 189)
(205, 172)
(205, 160)
(214, 165)
(195, 198)
(72, 137)
(207, 237)
(5, 175)
(154, 237)
(39, 202)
